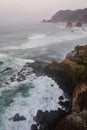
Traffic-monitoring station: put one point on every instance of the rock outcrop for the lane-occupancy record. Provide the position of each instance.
(78, 24)
(17, 117)
(63, 75)
(6, 70)
(47, 120)
(69, 24)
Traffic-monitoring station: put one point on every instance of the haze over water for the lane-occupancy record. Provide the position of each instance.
(33, 11)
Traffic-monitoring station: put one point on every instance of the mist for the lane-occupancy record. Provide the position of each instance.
(33, 11)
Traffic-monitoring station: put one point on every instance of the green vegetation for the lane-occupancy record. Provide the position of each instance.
(80, 72)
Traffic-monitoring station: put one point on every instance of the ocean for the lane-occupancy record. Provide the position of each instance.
(30, 43)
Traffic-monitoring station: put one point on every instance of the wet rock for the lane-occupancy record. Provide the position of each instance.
(17, 117)
(52, 85)
(47, 120)
(1, 62)
(21, 78)
(44, 126)
(39, 118)
(67, 105)
(34, 127)
(61, 103)
(6, 69)
(39, 67)
(22, 75)
(61, 98)
(13, 78)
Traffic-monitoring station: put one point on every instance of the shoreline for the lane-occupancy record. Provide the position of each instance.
(65, 74)
(74, 116)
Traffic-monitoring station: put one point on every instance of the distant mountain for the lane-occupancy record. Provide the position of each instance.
(69, 15)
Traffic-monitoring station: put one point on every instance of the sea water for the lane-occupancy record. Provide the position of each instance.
(27, 43)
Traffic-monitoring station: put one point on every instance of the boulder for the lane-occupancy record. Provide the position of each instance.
(66, 104)
(78, 24)
(61, 98)
(17, 117)
(34, 127)
(39, 118)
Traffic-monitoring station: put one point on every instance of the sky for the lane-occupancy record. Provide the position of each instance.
(33, 11)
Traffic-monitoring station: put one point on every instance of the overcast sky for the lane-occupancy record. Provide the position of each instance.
(30, 11)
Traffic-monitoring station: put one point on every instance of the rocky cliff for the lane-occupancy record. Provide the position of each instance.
(77, 120)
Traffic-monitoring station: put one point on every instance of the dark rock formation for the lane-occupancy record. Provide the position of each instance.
(78, 24)
(6, 70)
(63, 75)
(61, 98)
(37, 68)
(34, 127)
(66, 104)
(45, 21)
(47, 120)
(17, 117)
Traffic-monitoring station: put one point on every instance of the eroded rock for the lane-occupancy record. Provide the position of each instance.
(17, 117)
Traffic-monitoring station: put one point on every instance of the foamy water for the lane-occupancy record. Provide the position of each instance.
(43, 96)
(43, 39)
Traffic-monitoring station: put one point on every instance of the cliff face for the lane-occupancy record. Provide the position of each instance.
(63, 75)
(77, 120)
(69, 15)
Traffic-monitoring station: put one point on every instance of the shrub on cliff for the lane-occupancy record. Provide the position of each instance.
(80, 73)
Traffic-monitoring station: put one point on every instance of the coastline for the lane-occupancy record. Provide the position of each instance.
(72, 119)
(74, 86)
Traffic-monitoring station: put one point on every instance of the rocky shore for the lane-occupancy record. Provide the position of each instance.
(71, 76)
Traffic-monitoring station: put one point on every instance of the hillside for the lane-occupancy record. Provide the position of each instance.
(69, 15)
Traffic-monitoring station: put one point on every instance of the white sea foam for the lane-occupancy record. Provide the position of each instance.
(43, 96)
(13, 63)
(2, 55)
(35, 36)
(38, 40)
(9, 48)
